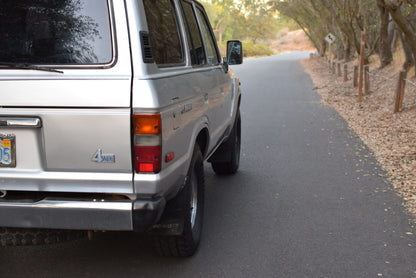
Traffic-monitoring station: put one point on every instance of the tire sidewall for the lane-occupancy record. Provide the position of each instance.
(236, 143)
(193, 234)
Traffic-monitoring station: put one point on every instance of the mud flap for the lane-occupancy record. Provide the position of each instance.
(172, 219)
(146, 213)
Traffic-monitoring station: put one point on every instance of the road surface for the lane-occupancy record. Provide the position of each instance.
(309, 201)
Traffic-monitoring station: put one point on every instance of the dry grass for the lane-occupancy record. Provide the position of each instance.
(390, 136)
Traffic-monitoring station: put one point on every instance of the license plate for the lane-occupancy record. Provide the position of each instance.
(7, 151)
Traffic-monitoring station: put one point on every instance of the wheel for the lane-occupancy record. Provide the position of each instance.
(229, 151)
(21, 236)
(191, 199)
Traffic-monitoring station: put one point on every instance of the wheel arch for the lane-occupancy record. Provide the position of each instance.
(202, 139)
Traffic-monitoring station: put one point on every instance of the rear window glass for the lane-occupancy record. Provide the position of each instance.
(64, 32)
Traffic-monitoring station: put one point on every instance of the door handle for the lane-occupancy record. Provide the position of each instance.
(20, 122)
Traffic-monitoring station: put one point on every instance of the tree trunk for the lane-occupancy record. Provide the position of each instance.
(407, 52)
(220, 31)
(394, 9)
(386, 56)
(324, 48)
(392, 39)
(396, 37)
(347, 51)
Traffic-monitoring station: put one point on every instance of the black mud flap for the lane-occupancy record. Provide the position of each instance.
(147, 213)
(168, 227)
(173, 218)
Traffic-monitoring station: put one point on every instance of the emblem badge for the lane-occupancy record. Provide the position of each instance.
(100, 157)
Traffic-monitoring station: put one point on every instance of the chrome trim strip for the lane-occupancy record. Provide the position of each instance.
(20, 122)
(68, 214)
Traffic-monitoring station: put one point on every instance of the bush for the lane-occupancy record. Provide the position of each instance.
(251, 49)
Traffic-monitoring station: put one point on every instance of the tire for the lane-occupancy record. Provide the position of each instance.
(230, 149)
(22, 236)
(191, 200)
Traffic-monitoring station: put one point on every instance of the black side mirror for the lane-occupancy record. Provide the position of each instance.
(234, 52)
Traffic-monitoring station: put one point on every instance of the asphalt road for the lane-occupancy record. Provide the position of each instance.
(309, 201)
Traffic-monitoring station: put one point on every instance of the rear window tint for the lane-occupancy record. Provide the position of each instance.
(163, 32)
(66, 32)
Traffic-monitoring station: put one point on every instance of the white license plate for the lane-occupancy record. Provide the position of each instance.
(7, 151)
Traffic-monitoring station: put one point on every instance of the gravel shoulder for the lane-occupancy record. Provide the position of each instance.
(390, 136)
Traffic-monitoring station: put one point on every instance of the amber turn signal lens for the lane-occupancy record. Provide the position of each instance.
(147, 124)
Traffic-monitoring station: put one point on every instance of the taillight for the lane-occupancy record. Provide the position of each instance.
(147, 131)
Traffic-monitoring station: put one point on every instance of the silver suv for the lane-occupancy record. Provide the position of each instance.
(108, 111)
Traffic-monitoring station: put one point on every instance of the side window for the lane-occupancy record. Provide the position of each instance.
(163, 31)
(194, 36)
(210, 44)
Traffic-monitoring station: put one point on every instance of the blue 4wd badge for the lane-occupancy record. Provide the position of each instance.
(101, 157)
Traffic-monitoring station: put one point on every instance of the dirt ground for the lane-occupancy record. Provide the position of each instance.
(291, 41)
(390, 136)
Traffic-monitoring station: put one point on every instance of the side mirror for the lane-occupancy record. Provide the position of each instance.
(234, 52)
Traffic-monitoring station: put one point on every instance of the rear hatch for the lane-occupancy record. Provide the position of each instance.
(64, 97)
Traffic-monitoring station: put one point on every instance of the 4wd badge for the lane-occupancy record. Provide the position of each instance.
(101, 157)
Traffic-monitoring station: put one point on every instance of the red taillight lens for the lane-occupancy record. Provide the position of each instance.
(147, 131)
(147, 159)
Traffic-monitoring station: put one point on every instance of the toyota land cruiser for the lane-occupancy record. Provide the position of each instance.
(108, 110)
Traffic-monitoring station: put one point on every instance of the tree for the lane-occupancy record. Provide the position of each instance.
(403, 14)
(343, 18)
(260, 21)
(252, 20)
(221, 14)
(310, 18)
(386, 55)
(346, 19)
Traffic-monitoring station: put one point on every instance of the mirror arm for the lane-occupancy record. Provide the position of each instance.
(225, 64)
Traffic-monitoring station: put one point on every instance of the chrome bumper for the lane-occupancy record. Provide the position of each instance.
(82, 215)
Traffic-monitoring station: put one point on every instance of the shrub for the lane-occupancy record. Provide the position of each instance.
(251, 49)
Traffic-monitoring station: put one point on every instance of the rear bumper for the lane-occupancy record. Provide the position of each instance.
(50, 213)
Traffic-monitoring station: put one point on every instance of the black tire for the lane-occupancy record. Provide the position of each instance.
(21, 236)
(191, 199)
(231, 150)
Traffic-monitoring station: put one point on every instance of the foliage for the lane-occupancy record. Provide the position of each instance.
(347, 19)
(245, 20)
(284, 22)
(252, 49)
